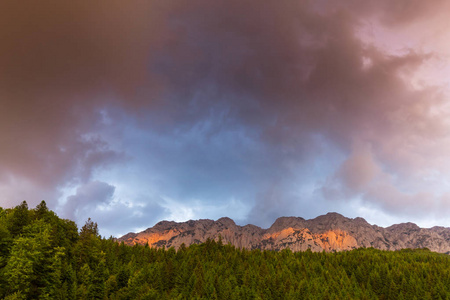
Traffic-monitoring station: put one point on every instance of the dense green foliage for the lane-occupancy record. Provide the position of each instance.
(45, 257)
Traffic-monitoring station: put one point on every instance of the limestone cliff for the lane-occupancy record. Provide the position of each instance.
(330, 232)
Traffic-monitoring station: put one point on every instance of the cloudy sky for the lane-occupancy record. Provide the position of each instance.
(131, 112)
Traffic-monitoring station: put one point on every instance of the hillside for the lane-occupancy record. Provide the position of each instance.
(45, 257)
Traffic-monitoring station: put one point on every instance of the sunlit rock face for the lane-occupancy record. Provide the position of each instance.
(330, 232)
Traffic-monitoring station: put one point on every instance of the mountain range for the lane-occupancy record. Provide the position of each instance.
(330, 232)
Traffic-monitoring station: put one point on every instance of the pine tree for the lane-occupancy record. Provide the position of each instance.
(6, 242)
(18, 219)
(19, 268)
(41, 210)
(97, 288)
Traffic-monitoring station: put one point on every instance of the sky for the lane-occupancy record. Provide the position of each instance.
(133, 112)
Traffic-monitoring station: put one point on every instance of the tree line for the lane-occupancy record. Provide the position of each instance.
(45, 257)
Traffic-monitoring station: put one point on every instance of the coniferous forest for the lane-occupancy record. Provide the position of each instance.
(45, 257)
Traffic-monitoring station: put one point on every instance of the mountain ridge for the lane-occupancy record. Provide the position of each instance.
(330, 232)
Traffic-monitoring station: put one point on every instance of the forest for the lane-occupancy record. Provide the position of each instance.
(45, 257)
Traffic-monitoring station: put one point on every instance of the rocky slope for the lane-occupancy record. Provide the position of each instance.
(330, 232)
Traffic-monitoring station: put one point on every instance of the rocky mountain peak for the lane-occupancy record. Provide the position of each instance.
(287, 222)
(164, 225)
(361, 221)
(225, 221)
(404, 227)
(329, 221)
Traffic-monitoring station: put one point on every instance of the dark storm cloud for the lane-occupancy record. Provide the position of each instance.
(95, 200)
(285, 69)
(87, 198)
(56, 61)
(278, 75)
(293, 72)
